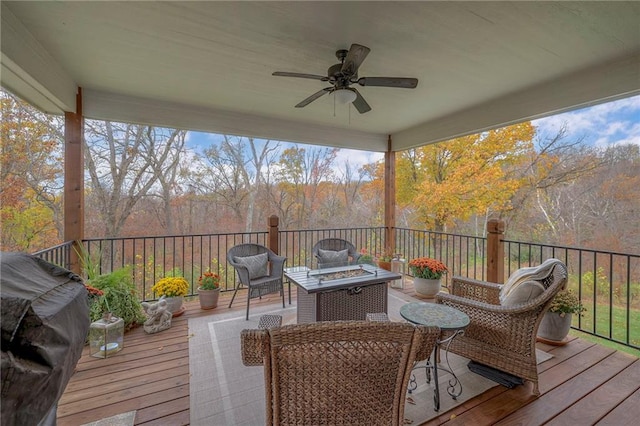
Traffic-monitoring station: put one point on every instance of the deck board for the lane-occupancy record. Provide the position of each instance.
(583, 382)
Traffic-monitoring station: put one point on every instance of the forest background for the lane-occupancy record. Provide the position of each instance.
(145, 181)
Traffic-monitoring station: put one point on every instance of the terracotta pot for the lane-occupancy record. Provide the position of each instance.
(208, 298)
(553, 327)
(425, 287)
(384, 265)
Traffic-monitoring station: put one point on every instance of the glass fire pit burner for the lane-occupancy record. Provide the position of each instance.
(340, 275)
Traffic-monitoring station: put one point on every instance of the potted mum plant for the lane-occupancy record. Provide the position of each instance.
(384, 259)
(556, 322)
(208, 290)
(427, 273)
(173, 289)
(365, 257)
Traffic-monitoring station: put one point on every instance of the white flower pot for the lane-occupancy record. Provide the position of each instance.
(553, 327)
(425, 287)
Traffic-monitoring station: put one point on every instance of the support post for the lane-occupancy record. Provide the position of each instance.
(274, 233)
(390, 197)
(495, 251)
(74, 181)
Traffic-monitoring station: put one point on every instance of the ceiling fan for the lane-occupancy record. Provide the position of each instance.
(341, 76)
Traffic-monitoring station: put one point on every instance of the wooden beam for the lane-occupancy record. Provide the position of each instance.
(495, 251)
(74, 179)
(390, 197)
(274, 222)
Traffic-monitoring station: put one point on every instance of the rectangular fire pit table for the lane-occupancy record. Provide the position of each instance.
(341, 293)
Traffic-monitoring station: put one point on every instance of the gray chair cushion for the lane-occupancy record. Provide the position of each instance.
(328, 257)
(256, 265)
(522, 293)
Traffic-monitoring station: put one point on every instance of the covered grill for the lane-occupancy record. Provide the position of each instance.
(45, 319)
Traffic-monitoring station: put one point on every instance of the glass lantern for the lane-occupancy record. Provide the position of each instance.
(397, 266)
(106, 336)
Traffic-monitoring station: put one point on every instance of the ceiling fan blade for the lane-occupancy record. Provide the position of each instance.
(314, 97)
(299, 75)
(354, 59)
(407, 83)
(361, 105)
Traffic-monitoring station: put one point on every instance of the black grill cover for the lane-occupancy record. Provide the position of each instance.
(45, 320)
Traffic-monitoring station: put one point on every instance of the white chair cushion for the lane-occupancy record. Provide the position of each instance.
(537, 273)
(256, 265)
(523, 292)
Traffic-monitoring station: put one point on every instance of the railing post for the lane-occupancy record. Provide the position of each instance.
(495, 251)
(274, 221)
(74, 180)
(390, 198)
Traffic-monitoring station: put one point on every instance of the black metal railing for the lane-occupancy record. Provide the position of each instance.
(59, 255)
(297, 245)
(152, 258)
(462, 254)
(607, 283)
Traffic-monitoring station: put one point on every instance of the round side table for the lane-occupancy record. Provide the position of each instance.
(448, 319)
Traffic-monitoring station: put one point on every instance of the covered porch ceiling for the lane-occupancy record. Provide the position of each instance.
(207, 65)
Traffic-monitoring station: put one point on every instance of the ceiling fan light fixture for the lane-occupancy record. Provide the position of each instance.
(345, 96)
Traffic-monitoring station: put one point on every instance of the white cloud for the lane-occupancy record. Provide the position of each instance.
(613, 122)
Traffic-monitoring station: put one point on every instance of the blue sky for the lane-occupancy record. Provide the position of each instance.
(616, 122)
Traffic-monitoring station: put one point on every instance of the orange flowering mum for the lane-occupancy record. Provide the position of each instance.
(93, 291)
(426, 267)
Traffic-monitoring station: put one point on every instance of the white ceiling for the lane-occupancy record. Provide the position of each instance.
(207, 65)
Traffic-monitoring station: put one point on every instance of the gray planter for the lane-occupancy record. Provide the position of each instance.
(554, 327)
(208, 298)
(425, 287)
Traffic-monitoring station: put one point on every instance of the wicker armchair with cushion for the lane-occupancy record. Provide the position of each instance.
(335, 252)
(259, 269)
(505, 318)
(344, 372)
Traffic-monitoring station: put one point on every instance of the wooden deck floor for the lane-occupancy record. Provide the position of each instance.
(582, 384)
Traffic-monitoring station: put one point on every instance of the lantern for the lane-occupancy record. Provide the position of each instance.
(106, 336)
(397, 266)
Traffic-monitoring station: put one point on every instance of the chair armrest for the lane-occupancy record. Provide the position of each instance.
(481, 291)
(428, 336)
(254, 344)
(243, 272)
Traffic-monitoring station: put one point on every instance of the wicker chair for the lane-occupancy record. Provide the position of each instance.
(260, 285)
(343, 372)
(502, 337)
(335, 244)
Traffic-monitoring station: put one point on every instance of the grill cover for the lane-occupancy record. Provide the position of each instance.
(45, 320)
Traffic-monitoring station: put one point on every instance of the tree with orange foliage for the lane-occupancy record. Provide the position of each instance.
(30, 176)
(471, 175)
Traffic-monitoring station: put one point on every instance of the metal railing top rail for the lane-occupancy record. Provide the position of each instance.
(560, 247)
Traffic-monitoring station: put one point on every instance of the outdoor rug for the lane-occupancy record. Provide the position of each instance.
(225, 392)
(123, 419)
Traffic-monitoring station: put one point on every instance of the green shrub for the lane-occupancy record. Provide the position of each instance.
(119, 297)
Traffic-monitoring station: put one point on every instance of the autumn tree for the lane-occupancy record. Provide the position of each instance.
(471, 175)
(234, 171)
(30, 176)
(556, 170)
(300, 173)
(124, 163)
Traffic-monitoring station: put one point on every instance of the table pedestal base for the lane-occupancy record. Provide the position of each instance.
(454, 386)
